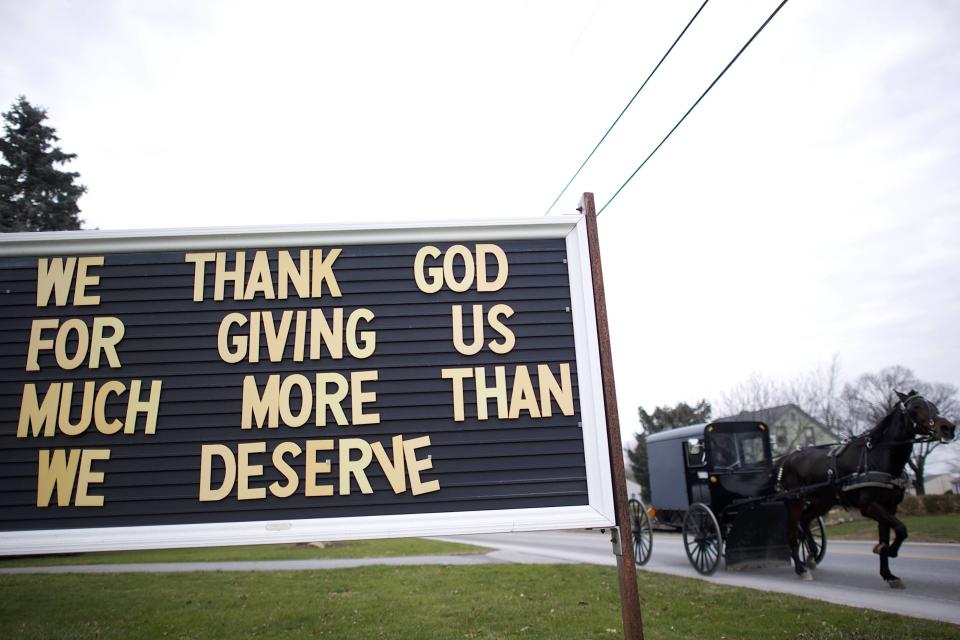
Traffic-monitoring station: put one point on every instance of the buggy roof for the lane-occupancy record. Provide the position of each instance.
(697, 430)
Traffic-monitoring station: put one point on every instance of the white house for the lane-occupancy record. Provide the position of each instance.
(790, 427)
(941, 484)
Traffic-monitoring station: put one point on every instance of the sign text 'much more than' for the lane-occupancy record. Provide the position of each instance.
(245, 386)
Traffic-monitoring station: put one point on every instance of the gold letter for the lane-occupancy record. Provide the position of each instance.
(562, 393)
(83, 342)
(393, 471)
(200, 260)
(100, 408)
(458, 376)
(235, 275)
(485, 394)
(501, 257)
(288, 272)
(311, 488)
(88, 476)
(261, 280)
(276, 336)
(151, 407)
(299, 335)
(37, 342)
(36, 416)
(320, 328)
(414, 466)
(86, 408)
(80, 298)
(358, 397)
(239, 341)
(523, 396)
(245, 470)
(261, 408)
(305, 407)
(509, 340)
(54, 275)
(333, 400)
(369, 338)
(57, 471)
(356, 467)
(323, 272)
(468, 268)
(436, 273)
(107, 345)
(207, 451)
(461, 346)
(285, 490)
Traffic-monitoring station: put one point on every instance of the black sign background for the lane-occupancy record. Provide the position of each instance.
(153, 479)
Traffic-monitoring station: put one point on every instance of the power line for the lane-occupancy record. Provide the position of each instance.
(702, 96)
(584, 163)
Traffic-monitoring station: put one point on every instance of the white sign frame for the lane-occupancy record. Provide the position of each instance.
(599, 512)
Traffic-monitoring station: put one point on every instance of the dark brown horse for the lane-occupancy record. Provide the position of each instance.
(863, 473)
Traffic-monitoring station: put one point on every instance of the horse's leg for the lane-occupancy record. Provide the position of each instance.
(883, 538)
(794, 513)
(807, 539)
(878, 512)
(900, 534)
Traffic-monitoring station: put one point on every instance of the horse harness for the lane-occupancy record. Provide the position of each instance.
(864, 476)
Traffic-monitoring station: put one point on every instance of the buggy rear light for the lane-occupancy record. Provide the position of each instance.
(651, 512)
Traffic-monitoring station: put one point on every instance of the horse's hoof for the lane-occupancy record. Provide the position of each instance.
(806, 575)
(896, 584)
(878, 548)
(811, 564)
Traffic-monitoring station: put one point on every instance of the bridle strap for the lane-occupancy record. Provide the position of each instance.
(931, 412)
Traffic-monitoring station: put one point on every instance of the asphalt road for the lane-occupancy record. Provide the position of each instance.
(849, 574)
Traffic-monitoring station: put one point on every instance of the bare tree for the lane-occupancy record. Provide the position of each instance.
(846, 412)
(816, 392)
(871, 396)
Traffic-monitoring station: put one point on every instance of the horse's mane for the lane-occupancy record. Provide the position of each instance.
(874, 432)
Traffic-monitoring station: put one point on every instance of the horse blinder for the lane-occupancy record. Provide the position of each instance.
(933, 425)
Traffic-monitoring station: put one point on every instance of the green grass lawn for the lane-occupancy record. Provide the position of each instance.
(422, 602)
(350, 549)
(941, 528)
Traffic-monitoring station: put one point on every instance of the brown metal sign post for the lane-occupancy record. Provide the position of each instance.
(626, 567)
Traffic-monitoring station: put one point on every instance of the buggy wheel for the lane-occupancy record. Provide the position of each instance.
(642, 532)
(814, 546)
(701, 538)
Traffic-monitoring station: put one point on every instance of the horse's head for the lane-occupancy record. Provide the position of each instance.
(925, 417)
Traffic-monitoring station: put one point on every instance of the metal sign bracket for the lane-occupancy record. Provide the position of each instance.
(616, 541)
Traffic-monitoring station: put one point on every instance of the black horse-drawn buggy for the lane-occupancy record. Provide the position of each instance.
(720, 486)
(715, 482)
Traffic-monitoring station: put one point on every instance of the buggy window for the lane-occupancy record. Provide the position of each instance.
(696, 456)
(751, 449)
(723, 450)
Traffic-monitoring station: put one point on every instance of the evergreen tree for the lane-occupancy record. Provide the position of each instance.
(34, 194)
(661, 419)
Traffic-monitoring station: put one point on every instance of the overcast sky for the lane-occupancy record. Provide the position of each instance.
(809, 207)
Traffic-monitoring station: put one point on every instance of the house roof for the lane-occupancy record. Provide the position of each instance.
(692, 431)
(770, 415)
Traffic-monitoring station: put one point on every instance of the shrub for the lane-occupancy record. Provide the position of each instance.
(932, 505)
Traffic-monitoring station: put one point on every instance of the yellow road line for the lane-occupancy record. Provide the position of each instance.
(909, 554)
